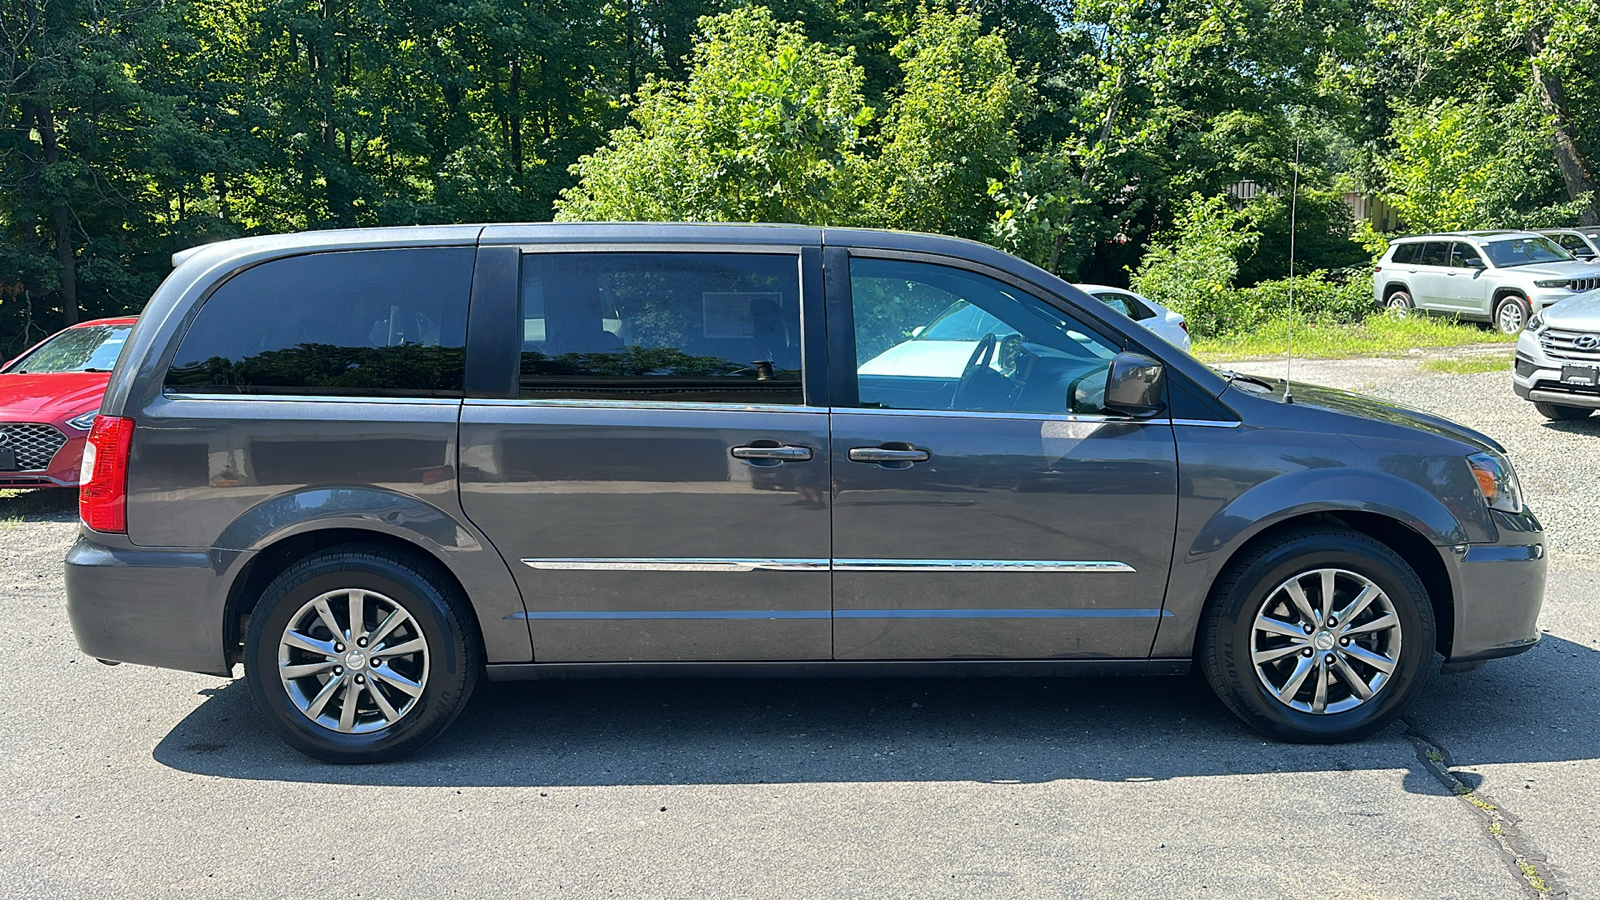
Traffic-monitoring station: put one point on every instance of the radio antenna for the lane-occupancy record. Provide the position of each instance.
(1294, 203)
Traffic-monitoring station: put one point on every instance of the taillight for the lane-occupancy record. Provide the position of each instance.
(103, 479)
(1377, 269)
(1184, 324)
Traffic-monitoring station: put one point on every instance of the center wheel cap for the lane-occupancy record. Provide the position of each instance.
(355, 659)
(1323, 640)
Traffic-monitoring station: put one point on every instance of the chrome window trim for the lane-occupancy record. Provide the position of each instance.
(978, 414)
(644, 404)
(612, 245)
(815, 564)
(1207, 423)
(675, 564)
(314, 398)
(979, 565)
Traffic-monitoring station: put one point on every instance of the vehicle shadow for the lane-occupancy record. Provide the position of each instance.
(1589, 426)
(572, 733)
(39, 504)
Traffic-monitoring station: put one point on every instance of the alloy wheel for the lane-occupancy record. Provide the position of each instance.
(1510, 319)
(1325, 641)
(353, 661)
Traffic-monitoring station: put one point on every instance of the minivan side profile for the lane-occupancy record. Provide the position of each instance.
(376, 466)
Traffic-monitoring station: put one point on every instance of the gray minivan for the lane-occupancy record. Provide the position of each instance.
(376, 466)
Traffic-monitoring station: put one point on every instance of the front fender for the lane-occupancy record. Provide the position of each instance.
(459, 546)
(1200, 559)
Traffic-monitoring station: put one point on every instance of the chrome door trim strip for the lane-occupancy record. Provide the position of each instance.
(675, 564)
(978, 414)
(1206, 423)
(648, 404)
(815, 564)
(630, 614)
(1077, 613)
(979, 565)
(314, 398)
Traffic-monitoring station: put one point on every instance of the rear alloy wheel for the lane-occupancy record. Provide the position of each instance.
(1398, 304)
(1562, 413)
(1318, 636)
(1511, 314)
(360, 654)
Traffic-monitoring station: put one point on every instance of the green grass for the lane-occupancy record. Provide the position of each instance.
(1377, 336)
(1470, 365)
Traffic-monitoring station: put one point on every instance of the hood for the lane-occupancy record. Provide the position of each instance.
(1574, 269)
(43, 397)
(1362, 406)
(1580, 312)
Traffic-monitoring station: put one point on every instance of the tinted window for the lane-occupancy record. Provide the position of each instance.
(1461, 255)
(1568, 241)
(1525, 251)
(355, 323)
(91, 349)
(1126, 304)
(1434, 253)
(1406, 254)
(703, 327)
(936, 337)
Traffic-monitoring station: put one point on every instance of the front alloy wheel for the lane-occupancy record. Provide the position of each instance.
(1511, 314)
(1326, 641)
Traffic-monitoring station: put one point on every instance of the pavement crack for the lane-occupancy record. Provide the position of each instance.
(1530, 866)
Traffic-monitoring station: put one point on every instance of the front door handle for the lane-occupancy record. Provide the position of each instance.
(894, 457)
(772, 451)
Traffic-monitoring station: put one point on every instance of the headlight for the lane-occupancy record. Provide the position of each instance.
(1497, 481)
(1535, 323)
(1553, 284)
(83, 422)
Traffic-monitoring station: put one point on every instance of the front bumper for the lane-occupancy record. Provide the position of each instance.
(154, 607)
(1537, 376)
(1499, 590)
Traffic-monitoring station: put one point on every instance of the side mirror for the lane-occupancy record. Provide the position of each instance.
(1474, 262)
(917, 331)
(1133, 385)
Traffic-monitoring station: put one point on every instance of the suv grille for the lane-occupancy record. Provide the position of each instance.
(34, 444)
(1584, 284)
(1560, 345)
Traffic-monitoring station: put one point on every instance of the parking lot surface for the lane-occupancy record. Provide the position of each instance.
(133, 782)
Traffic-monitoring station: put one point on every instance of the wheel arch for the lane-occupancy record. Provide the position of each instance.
(1393, 287)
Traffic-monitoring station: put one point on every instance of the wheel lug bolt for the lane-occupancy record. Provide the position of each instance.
(1328, 659)
(1309, 629)
(1344, 642)
(338, 670)
(361, 679)
(376, 662)
(1332, 621)
(362, 642)
(338, 648)
(1306, 652)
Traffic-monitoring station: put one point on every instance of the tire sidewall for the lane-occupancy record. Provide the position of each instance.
(1522, 307)
(1234, 640)
(448, 677)
(1398, 304)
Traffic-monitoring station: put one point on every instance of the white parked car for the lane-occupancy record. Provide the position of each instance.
(1152, 315)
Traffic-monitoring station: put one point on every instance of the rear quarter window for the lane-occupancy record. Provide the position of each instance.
(1405, 254)
(345, 323)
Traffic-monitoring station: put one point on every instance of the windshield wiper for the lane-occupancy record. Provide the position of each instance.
(1232, 376)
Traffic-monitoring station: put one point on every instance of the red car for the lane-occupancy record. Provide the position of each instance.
(48, 399)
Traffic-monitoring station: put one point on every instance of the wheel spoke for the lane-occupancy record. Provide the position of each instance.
(1261, 657)
(400, 681)
(347, 710)
(309, 644)
(326, 615)
(1291, 687)
(384, 706)
(389, 623)
(357, 600)
(404, 648)
(1382, 663)
(1359, 605)
(320, 701)
(1350, 677)
(1297, 594)
(1274, 626)
(302, 671)
(1385, 621)
(1328, 576)
(1319, 700)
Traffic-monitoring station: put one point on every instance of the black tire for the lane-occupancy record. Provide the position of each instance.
(1398, 304)
(1228, 635)
(1511, 314)
(1562, 413)
(451, 656)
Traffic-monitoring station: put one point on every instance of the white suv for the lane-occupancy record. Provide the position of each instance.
(1503, 277)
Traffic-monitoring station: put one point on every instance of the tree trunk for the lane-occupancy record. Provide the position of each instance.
(61, 220)
(514, 115)
(1574, 167)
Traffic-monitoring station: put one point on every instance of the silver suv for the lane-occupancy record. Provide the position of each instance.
(1503, 277)
(1558, 359)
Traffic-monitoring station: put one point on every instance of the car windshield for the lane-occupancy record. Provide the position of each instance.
(91, 349)
(1525, 251)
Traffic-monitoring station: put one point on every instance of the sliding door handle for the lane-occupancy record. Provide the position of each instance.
(897, 456)
(777, 452)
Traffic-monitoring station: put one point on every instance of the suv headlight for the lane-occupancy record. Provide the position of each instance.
(1497, 481)
(1558, 283)
(1535, 323)
(83, 422)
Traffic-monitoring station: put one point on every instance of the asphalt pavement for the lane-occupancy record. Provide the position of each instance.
(135, 782)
